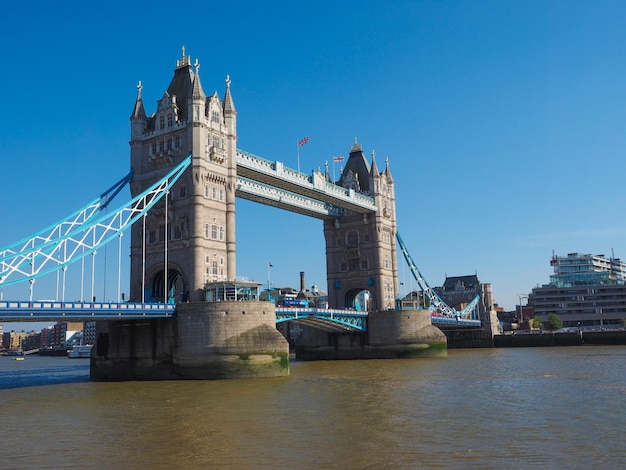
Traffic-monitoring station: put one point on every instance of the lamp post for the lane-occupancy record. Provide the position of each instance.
(269, 266)
(521, 312)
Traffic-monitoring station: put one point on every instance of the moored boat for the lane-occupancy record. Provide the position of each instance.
(80, 352)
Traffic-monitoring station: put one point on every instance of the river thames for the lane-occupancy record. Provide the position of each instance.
(560, 407)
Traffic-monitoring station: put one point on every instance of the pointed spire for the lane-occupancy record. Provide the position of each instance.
(139, 111)
(374, 168)
(388, 171)
(197, 91)
(229, 106)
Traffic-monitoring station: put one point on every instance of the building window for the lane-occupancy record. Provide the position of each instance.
(170, 120)
(353, 238)
(215, 117)
(177, 142)
(182, 191)
(161, 122)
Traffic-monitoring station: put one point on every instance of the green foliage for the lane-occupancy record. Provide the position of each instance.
(554, 322)
(536, 324)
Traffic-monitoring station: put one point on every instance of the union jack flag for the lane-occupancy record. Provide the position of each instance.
(301, 142)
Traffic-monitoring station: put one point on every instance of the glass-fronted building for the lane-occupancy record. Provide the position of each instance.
(585, 290)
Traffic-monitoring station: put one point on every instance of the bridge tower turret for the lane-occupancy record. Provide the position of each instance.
(361, 249)
(193, 231)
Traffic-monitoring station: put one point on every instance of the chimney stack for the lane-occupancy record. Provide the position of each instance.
(302, 285)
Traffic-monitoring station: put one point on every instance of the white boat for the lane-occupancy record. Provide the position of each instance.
(80, 352)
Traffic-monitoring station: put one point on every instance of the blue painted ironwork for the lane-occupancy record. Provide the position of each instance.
(56, 253)
(64, 226)
(349, 319)
(281, 198)
(81, 311)
(436, 303)
(454, 321)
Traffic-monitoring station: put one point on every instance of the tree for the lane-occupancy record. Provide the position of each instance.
(554, 322)
(536, 324)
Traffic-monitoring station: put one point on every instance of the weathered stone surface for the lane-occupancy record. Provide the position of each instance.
(205, 340)
(391, 334)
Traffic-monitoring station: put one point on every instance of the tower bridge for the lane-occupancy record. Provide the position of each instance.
(186, 175)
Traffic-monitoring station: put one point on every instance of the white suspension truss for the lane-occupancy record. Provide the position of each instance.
(80, 234)
(436, 302)
(66, 225)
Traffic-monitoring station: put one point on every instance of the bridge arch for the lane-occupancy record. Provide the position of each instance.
(359, 298)
(177, 289)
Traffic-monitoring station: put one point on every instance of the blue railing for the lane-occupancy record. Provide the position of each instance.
(45, 310)
(350, 319)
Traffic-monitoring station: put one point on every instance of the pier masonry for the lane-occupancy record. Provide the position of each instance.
(205, 340)
(390, 334)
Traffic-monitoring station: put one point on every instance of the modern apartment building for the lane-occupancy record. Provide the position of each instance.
(585, 290)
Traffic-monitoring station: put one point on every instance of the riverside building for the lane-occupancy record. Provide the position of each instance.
(585, 290)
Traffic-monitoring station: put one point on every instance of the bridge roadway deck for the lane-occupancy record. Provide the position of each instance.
(81, 311)
(327, 319)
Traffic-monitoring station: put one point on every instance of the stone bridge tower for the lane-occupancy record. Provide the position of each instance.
(361, 249)
(197, 222)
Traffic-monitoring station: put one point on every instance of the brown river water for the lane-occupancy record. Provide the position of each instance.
(560, 407)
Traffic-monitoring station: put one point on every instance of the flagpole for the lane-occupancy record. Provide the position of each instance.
(300, 143)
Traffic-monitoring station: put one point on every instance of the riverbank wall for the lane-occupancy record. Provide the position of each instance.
(205, 340)
(575, 338)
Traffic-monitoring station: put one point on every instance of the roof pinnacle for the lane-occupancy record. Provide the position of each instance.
(183, 61)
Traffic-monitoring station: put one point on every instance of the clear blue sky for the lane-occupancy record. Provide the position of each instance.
(504, 121)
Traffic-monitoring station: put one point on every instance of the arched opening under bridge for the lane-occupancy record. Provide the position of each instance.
(359, 299)
(176, 287)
